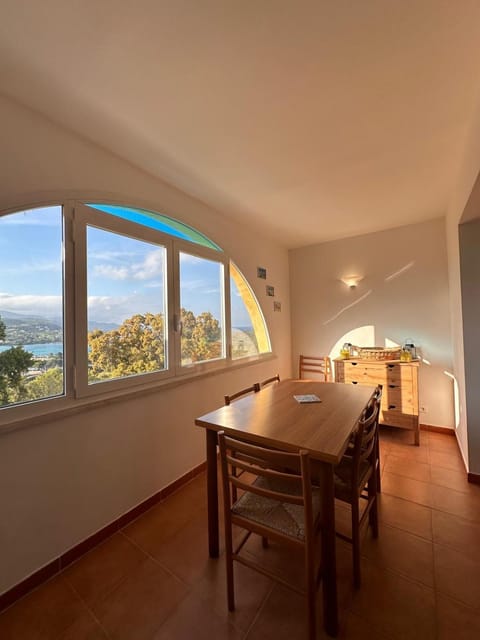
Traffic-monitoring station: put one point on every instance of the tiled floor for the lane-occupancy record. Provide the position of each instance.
(154, 581)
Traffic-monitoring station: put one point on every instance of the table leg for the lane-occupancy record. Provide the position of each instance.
(329, 560)
(212, 493)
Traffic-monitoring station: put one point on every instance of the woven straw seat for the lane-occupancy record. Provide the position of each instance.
(279, 504)
(282, 516)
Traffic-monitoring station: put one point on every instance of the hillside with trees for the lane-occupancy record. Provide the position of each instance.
(136, 346)
(14, 363)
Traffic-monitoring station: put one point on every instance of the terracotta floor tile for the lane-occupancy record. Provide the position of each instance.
(457, 575)
(354, 627)
(43, 614)
(282, 617)
(402, 552)
(281, 560)
(410, 451)
(152, 528)
(94, 575)
(456, 620)
(251, 589)
(448, 460)
(191, 619)
(180, 592)
(440, 442)
(84, 628)
(464, 505)
(407, 488)
(140, 604)
(185, 553)
(407, 468)
(395, 436)
(406, 515)
(452, 479)
(395, 605)
(458, 533)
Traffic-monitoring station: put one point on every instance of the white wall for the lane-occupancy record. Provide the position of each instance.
(470, 279)
(467, 176)
(403, 294)
(60, 481)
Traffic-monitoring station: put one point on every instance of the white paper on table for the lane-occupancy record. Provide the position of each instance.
(309, 397)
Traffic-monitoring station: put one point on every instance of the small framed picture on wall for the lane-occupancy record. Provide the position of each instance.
(270, 290)
(261, 273)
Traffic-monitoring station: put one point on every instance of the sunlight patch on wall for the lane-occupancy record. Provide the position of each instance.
(395, 274)
(349, 306)
(360, 336)
(389, 344)
(456, 398)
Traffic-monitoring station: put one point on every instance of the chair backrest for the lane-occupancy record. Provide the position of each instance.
(321, 365)
(366, 435)
(279, 468)
(375, 402)
(255, 388)
(270, 380)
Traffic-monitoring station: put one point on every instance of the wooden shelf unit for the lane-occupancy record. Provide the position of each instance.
(399, 406)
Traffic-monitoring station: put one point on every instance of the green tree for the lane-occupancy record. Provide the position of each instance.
(3, 330)
(46, 385)
(137, 346)
(206, 338)
(14, 362)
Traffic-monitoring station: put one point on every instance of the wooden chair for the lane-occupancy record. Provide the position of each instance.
(356, 479)
(270, 380)
(320, 365)
(255, 388)
(376, 398)
(280, 506)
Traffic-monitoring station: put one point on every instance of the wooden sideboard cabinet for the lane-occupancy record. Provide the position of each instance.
(399, 406)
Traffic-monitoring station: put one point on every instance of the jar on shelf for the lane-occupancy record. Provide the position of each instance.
(346, 351)
(410, 348)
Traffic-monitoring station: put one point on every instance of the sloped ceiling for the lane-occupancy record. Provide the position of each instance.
(308, 120)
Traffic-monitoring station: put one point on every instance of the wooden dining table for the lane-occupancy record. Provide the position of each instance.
(274, 418)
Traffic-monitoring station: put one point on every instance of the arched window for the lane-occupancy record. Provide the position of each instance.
(108, 296)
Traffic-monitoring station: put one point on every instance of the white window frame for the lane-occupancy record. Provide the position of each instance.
(85, 217)
(77, 215)
(190, 248)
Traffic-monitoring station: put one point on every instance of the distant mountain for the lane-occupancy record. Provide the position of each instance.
(103, 326)
(22, 328)
(27, 317)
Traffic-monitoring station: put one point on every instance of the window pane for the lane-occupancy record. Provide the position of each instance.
(126, 306)
(31, 305)
(201, 302)
(249, 332)
(158, 222)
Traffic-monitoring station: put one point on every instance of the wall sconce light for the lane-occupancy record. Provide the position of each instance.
(351, 281)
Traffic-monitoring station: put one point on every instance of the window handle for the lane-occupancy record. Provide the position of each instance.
(177, 324)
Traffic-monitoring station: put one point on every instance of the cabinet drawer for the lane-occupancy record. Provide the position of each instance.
(398, 419)
(377, 375)
(398, 402)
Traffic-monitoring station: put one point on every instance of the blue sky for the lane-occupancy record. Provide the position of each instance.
(125, 275)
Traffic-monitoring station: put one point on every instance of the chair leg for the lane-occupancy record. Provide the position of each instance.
(373, 513)
(377, 464)
(233, 471)
(311, 585)
(229, 566)
(356, 542)
(264, 542)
